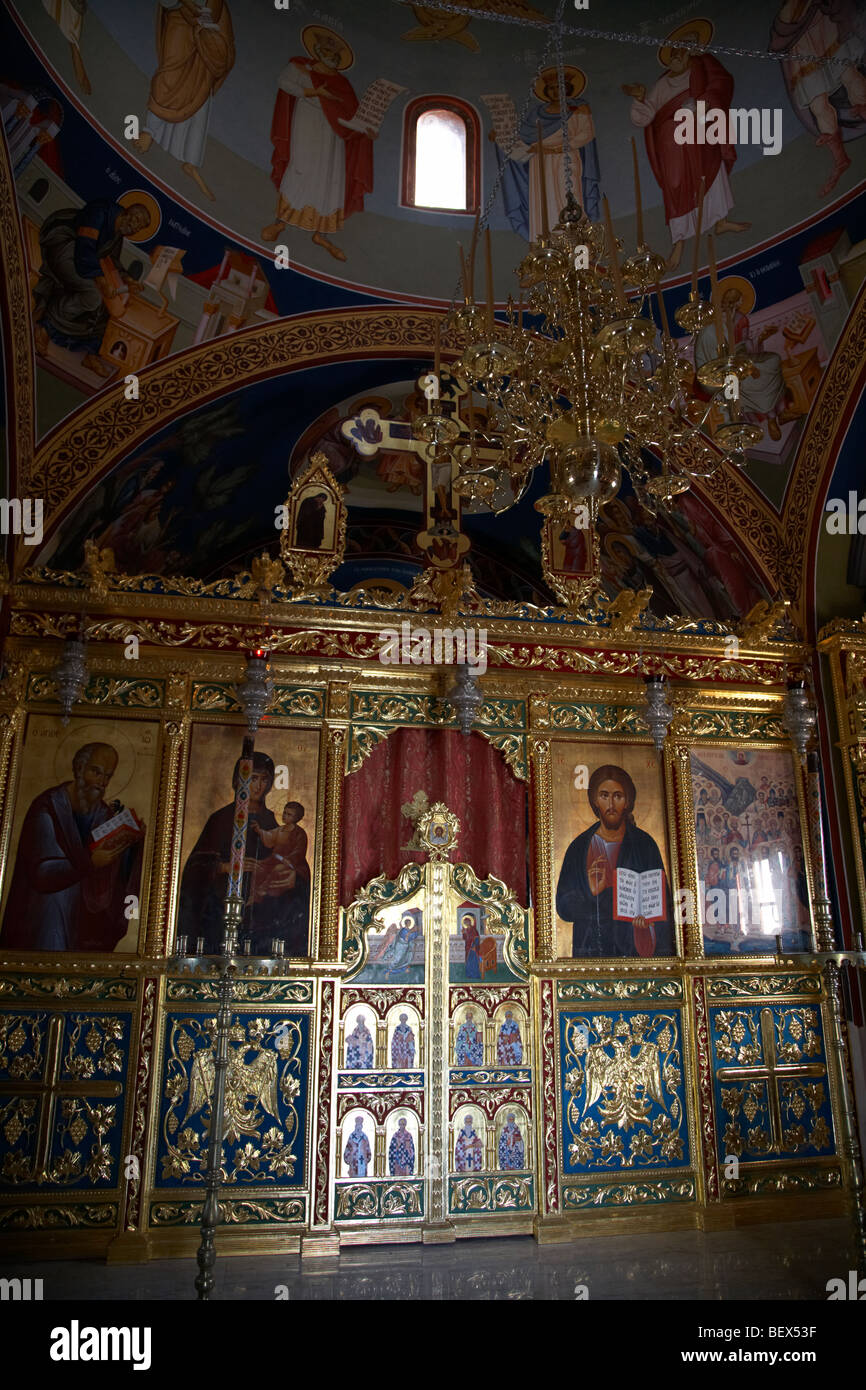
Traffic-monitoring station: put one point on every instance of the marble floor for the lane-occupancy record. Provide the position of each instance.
(769, 1262)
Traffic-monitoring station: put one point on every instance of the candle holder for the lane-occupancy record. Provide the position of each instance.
(181, 946)
(658, 713)
(70, 675)
(695, 314)
(256, 689)
(466, 698)
(626, 336)
(717, 370)
(643, 268)
(799, 717)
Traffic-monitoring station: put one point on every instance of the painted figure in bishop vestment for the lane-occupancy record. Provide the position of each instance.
(403, 1044)
(511, 1148)
(401, 1152)
(509, 1044)
(470, 1046)
(359, 1045)
(468, 1149)
(357, 1153)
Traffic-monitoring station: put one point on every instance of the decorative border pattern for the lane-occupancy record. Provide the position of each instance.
(51, 1218)
(108, 428)
(380, 1000)
(763, 986)
(246, 1211)
(470, 1196)
(627, 1194)
(380, 1105)
(206, 990)
(138, 1133)
(806, 1179)
(323, 1118)
(654, 987)
(380, 1200)
(706, 1113)
(77, 987)
(547, 1073)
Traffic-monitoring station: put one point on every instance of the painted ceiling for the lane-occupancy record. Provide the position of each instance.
(246, 367)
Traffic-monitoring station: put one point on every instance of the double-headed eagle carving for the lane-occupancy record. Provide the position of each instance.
(257, 1079)
(619, 1079)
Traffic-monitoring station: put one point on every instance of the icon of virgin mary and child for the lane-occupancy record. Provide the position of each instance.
(276, 880)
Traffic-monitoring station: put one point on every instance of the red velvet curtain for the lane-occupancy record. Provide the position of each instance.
(467, 773)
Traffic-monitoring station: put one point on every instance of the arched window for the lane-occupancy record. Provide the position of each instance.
(440, 155)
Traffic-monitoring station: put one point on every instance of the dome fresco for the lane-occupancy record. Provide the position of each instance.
(202, 190)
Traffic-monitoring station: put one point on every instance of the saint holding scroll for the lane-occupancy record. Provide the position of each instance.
(322, 168)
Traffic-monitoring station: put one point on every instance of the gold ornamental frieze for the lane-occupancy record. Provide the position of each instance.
(582, 1196)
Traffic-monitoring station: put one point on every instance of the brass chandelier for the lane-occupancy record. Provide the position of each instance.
(578, 377)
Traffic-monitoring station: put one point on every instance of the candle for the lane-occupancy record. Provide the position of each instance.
(241, 816)
(615, 273)
(698, 241)
(475, 231)
(714, 290)
(666, 332)
(637, 193)
(437, 366)
(464, 272)
(488, 267)
(542, 174)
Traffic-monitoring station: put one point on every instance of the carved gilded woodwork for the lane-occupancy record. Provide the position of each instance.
(310, 568)
(627, 1194)
(327, 674)
(844, 643)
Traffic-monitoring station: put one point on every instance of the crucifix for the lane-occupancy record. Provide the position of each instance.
(51, 1090)
(773, 1072)
(448, 400)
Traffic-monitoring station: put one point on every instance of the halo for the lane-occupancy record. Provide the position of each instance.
(91, 732)
(575, 81)
(315, 31)
(745, 287)
(702, 30)
(140, 195)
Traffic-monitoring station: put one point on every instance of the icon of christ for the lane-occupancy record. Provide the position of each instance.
(596, 864)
